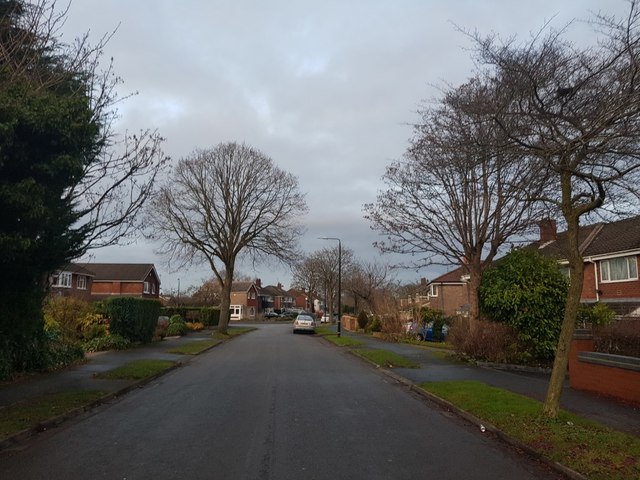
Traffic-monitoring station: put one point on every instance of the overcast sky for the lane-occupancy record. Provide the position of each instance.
(328, 89)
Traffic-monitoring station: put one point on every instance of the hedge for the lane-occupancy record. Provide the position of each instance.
(133, 318)
(210, 316)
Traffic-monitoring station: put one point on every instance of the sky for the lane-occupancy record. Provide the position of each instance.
(328, 89)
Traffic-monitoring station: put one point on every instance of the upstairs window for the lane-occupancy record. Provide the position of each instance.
(147, 287)
(63, 279)
(82, 282)
(619, 269)
(433, 290)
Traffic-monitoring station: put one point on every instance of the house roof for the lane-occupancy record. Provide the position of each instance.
(241, 286)
(454, 276)
(77, 268)
(121, 272)
(273, 291)
(597, 239)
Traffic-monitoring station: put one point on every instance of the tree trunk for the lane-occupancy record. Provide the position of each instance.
(225, 300)
(576, 266)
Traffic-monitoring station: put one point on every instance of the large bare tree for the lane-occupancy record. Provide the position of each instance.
(365, 281)
(224, 202)
(459, 194)
(577, 111)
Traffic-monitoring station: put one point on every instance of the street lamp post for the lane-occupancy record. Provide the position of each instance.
(339, 279)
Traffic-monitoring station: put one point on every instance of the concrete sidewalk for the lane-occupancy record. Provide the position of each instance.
(435, 366)
(82, 377)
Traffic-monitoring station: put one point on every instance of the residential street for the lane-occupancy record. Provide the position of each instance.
(269, 405)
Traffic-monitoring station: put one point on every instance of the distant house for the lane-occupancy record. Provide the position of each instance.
(300, 299)
(245, 302)
(123, 279)
(610, 252)
(450, 292)
(72, 280)
(275, 298)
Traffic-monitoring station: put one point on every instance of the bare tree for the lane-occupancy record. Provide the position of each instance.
(305, 276)
(365, 281)
(577, 111)
(459, 194)
(223, 202)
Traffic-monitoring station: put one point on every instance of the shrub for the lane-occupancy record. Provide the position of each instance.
(210, 316)
(176, 319)
(376, 324)
(58, 351)
(595, 315)
(437, 318)
(526, 291)
(486, 340)
(363, 320)
(110, 342)
(133, 318)
(195, 326)
(177, 328)
(68, 313)
(619, 338)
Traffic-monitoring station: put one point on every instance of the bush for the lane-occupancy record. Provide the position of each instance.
(363, 320)
(594, 315)
(376, 324)
(176, 319)
(110, 342)
(486, 340)
(68, 313)
(210, 316)
(437, 318)
(528, 292)
(58, 351)
(619, 338)
(195, 326)
(133, 318)
(176, 329)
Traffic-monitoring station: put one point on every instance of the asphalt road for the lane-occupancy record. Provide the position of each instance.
(269, 405)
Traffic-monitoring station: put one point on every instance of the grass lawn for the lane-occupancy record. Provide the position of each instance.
(137, 370)
(385, 358)
(592, 449)
(232, 332)
(195, 347)
(29, 414)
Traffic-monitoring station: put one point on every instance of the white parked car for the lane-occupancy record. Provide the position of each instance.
(304, 323)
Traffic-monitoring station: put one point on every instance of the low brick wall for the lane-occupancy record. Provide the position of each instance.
(614, 376)
(349, 323)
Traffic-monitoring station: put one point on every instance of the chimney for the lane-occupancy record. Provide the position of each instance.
(279, 285)
(548, 230)
(258, 282)
(423, 281)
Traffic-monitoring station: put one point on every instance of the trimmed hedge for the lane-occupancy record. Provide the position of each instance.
(133, 318)
(210, 316)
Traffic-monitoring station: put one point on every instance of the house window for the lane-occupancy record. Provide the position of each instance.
(153, 288)
(63, 280)
(82, 282)
(619, 269)
(252, 295)
(147, 287)
(433, 290)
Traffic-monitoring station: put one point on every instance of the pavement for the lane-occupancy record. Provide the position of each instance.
(434, 365)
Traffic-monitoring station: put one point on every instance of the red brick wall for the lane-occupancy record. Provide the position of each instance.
(450, 298)
(589, 282)
(608, 381)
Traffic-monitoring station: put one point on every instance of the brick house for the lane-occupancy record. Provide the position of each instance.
(610, 252)
(72, 280)
(300, 299)
(245, 300)
(275, 298)
(123, 280)
(448, 292)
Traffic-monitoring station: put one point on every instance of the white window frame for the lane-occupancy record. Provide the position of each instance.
(433, 290)
(153, 288)
(147, 287)
(632, 264)
(82, 282)
(65, 280)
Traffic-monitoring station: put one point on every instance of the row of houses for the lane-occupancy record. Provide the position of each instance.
(97, 281)
(252, 300)
(610, 252)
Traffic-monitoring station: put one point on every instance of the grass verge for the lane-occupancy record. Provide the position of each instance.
(231, 332)
(194, 348)
(137, 370)
(29, 414)
(385, 358)
(594, 450)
